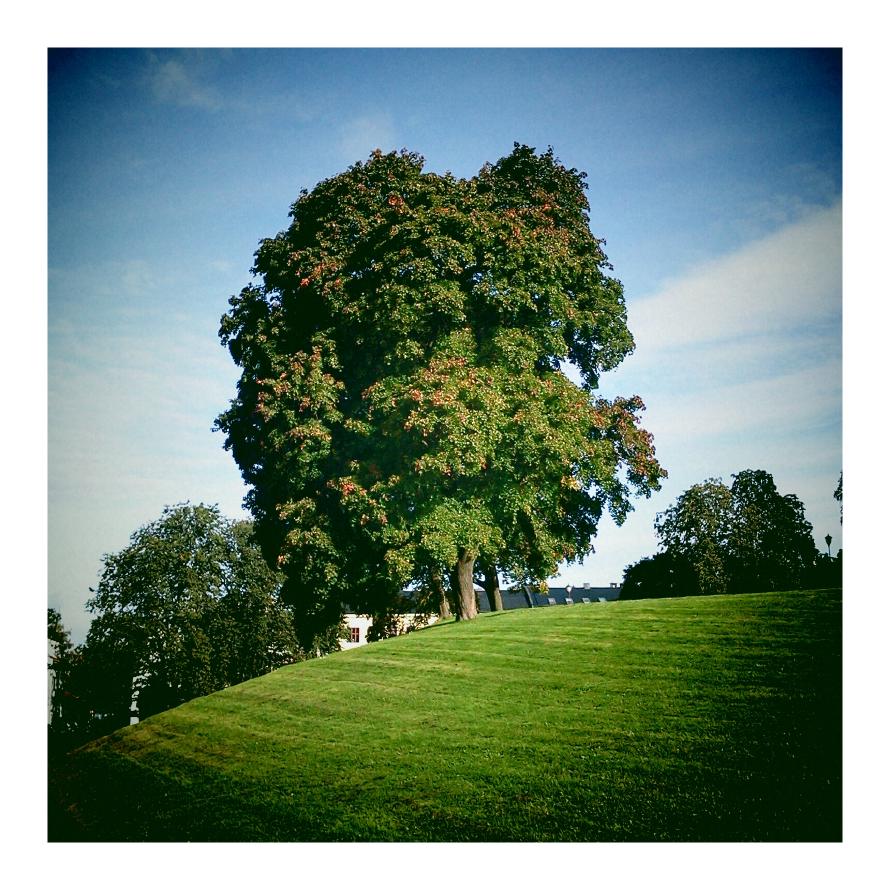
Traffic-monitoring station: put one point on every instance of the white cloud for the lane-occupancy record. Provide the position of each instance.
(118, 399)
(780, 404)
(744, 347)
(173, 81)
(779, 283)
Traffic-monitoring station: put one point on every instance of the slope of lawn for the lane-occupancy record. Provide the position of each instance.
(705, 718)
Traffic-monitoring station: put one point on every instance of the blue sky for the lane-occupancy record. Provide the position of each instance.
(714, 176)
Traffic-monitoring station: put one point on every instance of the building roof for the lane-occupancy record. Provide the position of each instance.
(517, 598)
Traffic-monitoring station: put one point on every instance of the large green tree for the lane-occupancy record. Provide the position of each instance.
(403, 412)
(189, 607)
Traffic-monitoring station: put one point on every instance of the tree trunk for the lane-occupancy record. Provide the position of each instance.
(462, 586)
(492, 587)
(440, 593)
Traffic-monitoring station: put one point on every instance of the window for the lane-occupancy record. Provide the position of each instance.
(354, 635)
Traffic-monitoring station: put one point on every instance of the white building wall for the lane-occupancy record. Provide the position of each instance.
(362, 623)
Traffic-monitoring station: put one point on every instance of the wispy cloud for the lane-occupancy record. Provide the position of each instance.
(778, 404)
(181, 80)
(780, 283)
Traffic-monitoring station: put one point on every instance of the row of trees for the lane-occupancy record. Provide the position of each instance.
(731, 539)
(402, 415)
(189, 607)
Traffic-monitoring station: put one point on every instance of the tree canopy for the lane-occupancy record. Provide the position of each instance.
(696, 529)
(728, 539)
(189, 607)
(771, 544)
(60, 658)
(403, 411)
(57, 632)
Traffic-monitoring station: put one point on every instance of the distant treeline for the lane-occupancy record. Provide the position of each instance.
(741, 538)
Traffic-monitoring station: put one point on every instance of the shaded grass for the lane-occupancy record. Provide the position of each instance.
(706, 718)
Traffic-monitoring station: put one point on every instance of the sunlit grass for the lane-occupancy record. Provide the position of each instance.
(705, 718)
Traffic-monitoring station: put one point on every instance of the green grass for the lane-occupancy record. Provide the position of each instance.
(700, 719)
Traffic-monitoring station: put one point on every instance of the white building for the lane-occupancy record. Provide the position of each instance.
(359, 625)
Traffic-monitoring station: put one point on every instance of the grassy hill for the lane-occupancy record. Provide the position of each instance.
(707, 718)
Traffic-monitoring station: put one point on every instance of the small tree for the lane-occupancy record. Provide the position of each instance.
(187, 608)
(696, 529)
(770, 546)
